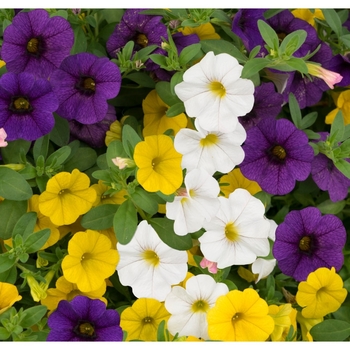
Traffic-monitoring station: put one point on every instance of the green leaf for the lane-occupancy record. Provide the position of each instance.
(33, 315)
(25, 225)
(13, 186)
(268, 34)
(337, 128)
(144, 53)
(188, 53)
(345, 39)
(175, 110)
(125, 222)
(294, 63)
(343, 166)
(130, 139)
(112, 15)
(61, 155)
(60, 133)
(145, 200)
(295, 111)
(159, 59)
(165, 230)
(175, 79)
(80, 42)
(115, 149)
(4, 333)
(308, 120)
(41, 146)
(333, 21)
(164, 92)
(10, 275)
(100, 217)
(83, 159)
(329, 207)
(10, 213)
(292, 42)
(142, 79)
(331, 330)
(254, 66)
(36, 240)
(10, 153)
(5, 262)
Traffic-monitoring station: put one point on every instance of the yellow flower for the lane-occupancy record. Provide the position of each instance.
(111, 235)
(306, 324)
(342, 101)
(2, 63)
(8, 296)
(155, 120)
(101, 198)
(284, 316)
(67, 291)
(67, 196)
(321, 294)
(159, 164)
(235, 179)
(308, 16)
(204, 31)
(114, 132)
(38, 289)
(240, 316)
(141, 320)
(90, 260)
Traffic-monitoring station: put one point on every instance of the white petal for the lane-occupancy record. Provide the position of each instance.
(263, 267)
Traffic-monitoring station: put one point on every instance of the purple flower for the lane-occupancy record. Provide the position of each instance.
(327, 177)
(276, 155)
(36, 43)
(26, 106)
(84, 319)
(341, 64)
(306, 240)
(93, 134)
(267, 104)
(181, 41)
(83, 84)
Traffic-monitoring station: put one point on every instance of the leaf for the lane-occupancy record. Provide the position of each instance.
(80, 42)
(308, 120)
(175, 110)
(142, 79)
(254, 66)
(295, 110)
(329, 207)
(25, 225)
(165, 230)
(268, 34)
(337, 128)
(331, 330)
(60, 133)
(130, 139)
(164, 92)
(333, 21)
(5, 262)
(125, 222)
(188, 53)
(343, 166)
(115, 149)
(33, 315)
(100, 217)
(112, 15)
(41, 146)
(145, 200)
(36, 240)
(83, 159)
(13, 186)
(61, 156)
(292, 42)
(10, 213)
(11, 154)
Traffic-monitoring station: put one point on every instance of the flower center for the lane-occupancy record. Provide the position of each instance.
(209, 140)
(63, 191)
(200, 306)
(147, 320)
(86, 85)
(85, 329)
(235, 317)
(305, 244)
(35, 47)
(20, 105)
(140, 40)
(217, 88)
(86, 256)
(151, 257)
(155, 163)
(279, 152)
(231, 232)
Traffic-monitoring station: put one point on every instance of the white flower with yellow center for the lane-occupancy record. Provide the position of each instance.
(149, 266)
(210, 150)
(213, 92)
(195, 204)
(239, 232)
(188, 307)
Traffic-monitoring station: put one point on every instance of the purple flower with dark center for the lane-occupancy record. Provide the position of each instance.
(84, 319)
(276, 155)
(93, 134)
(327, 177)
(306, 241)
(36, 43)
(83, 84)
(26, 106)
(267, 104)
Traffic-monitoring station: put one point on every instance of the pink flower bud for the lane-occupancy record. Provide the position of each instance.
(212, 266)
(329, 77)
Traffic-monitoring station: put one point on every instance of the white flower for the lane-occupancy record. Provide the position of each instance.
(263, 267)
(238, 233)
(188, 307)
(148, 265)
(210, 150)
(197, 203)
(213, 92)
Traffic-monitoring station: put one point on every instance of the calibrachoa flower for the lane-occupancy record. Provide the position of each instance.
(101, 198)
(276, 155)
(26, 106)
(159, 164)
(3, 136)
(8, 296)
(204, 31)
(342, 102)
(210, 150)
(284, 317)
(148, 265)
(240, 316)
(213, 92)
(36, 43)
(306, 324)
(189, 306)
(306, 241)
(84, 319)
(308, 16)
(141, 320)
(238, 233)
(90, 260)
(83, 84)
(322, 293)
(67, 196)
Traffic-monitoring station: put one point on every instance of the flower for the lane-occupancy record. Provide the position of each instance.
(262, 268)
(238, 233)
(65, 290)
(306, 241)
(322, 293)
(27, 104)
(84, 319)
(188, 307)
(342, 102)
(36, 43)
(114, 132)
(83, 84)
(8, 296)
(67, 196)
(284, 317)
(195, 204)
(328, 76)
(306, 324)
(159, 164)
(38, 289)
(210, 150)
(90, 260)
(123, 163)
(155, 121)
(240, 316)
(308, 16)
(148, 265)
(212, 266)
(3, 136)
(141, 320)
(102, 198)
(204, 31)
(276, 155)
(214, 93)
